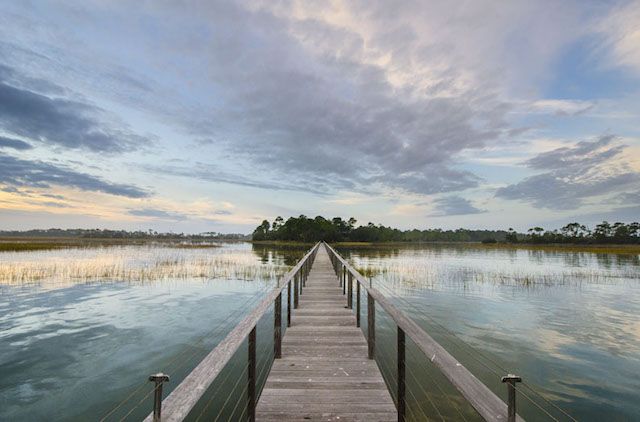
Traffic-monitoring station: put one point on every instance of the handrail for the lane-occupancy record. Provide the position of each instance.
(483, 400)
(177, 405)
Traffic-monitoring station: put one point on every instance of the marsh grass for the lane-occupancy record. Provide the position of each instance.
(134, 263)
(411, 271)
(13, 244)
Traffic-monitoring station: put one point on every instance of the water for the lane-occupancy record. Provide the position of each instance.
(81, 329)
(567, 322)
(73, 343)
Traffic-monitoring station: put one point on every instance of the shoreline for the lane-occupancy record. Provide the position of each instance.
(17, 244)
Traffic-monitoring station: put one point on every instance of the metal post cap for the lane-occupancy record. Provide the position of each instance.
(511, 378)
(159, 377)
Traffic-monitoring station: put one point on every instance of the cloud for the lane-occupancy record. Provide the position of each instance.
(14, 143)
(157, 213)
(628, 198)
(358, 96)
(15, 172)
(454, 205)
(574, 174)
(562, 107)
(307, 113)
(61, 122)
(213, 173)
(622, 35)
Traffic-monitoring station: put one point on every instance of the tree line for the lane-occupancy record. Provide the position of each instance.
(306, 229)
(118, 234)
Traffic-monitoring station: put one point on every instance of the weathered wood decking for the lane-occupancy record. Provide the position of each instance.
(324, 373)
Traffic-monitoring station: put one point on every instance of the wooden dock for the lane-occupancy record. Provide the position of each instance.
(323, 369)
(324, 373)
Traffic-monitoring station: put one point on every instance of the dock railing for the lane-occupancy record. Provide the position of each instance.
(184, 398)
(486, 403)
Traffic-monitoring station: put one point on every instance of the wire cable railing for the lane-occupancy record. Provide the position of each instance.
(489, 364)
(187, 398)
(486, 403)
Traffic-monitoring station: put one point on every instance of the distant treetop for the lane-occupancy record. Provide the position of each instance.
(305, 229)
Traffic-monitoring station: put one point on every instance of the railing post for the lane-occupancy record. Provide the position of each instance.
(295, 291)
(371, 325)
(357, 303)
(344, 279)
(511, 380)
(339, 274)
(277, 327)
(158, 379)
(350, 291)
(305, 272)
(401, 376)
(251, 388)
(289, 303)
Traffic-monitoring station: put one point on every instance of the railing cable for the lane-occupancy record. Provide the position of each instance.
(189, 348)
(230, 394)
(473, 352)
(435, 382)
(536, 404)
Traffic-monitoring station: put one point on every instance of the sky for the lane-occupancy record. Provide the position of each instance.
(193, 116)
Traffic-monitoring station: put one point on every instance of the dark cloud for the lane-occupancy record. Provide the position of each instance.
(157, 213)
(60, 122)
(578, 158)
(15, 172)
(574, 174)
(222, 212)
(213, 173)
(302, 113)
(454, 205)
(14, 143)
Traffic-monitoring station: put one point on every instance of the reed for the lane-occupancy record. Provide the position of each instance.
(134, 263)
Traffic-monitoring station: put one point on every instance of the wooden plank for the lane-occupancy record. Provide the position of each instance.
(328, 416)
(324, 373)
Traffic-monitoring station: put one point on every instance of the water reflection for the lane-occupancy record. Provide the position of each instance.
(568, 322)
(279, 254)
(72, 348)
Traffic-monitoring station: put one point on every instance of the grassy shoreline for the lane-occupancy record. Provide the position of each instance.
(559, 247)
(18, 244)
(593, 248)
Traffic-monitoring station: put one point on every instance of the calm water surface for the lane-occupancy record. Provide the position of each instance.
(81, 329)
(567, 322)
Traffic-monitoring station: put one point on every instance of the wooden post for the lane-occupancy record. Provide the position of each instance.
(304, 273)
(251, 389)
(357, 303)
(402, 404)
(350, 290)
(300, 281)
(295, 291)
(158, 379)
(289, 303)
(371, 325)
(511, 380)
(277, 327)
(340, 274)
(344, 279)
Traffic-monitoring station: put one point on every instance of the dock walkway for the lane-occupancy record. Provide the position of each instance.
(324, 373)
